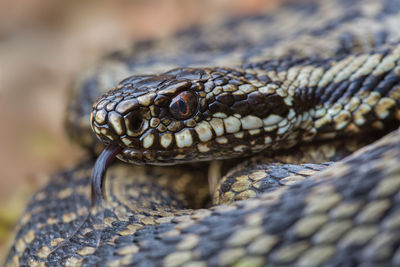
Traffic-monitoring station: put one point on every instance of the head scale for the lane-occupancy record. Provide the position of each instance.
(188, 115)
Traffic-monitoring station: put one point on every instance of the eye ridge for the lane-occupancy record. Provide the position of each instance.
(183, 105)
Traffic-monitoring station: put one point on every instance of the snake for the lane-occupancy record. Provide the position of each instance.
(262, 140)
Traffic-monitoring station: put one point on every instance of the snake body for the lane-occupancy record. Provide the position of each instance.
(281, 90)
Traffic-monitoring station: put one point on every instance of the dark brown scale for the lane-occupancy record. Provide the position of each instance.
(300, 100)
(226, 99)
(277, 105)
(311, 99)
(161, 100)
(260, 104)
(203, 106)
(220, 107)
(195, 137)
(207, 113)
(164, 113)
(239, 97)
(135, 141)
(241, 107)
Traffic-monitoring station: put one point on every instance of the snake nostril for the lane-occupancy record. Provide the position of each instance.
(136, 123)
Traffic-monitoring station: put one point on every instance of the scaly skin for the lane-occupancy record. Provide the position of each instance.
(263, 106)
(345, 215)
(328, 69)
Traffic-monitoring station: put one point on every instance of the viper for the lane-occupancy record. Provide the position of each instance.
(231, 131)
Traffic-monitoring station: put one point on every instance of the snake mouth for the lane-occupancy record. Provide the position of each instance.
(154, 157)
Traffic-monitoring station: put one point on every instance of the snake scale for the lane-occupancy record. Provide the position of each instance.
(290, 91)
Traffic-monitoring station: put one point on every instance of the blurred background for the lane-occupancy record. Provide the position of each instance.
(43, 46)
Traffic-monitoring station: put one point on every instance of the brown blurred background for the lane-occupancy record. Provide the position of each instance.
(43, 46)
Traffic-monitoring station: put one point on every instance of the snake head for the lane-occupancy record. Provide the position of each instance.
(187, 114)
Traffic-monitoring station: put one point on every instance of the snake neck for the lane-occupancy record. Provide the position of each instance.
(324, 98)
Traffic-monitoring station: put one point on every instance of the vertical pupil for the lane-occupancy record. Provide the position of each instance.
(182, 106)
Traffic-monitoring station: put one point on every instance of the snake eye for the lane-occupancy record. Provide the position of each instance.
(183, 105)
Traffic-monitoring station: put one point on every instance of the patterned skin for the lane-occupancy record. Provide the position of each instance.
(306, 73)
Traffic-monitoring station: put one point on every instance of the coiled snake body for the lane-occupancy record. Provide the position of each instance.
(294, 87)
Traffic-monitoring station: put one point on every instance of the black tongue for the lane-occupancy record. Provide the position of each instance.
(99, 171)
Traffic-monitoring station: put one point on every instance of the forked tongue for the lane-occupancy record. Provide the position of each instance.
(96, 214)
(95, 217)
(99, 172)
